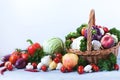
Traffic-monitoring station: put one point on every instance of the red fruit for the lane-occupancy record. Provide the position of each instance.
(105, 29)
(25, 56)
(116, 67)
(80, 69)
(10, 67)
(56, 60)
(63, 69)
(59, 55)
(44, 68)
(69, 69)
(34, 64)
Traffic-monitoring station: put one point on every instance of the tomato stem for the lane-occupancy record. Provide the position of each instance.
(30, 41)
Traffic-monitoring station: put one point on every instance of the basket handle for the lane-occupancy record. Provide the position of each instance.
(89, 31)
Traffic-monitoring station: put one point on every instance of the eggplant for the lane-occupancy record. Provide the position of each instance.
(20, 63)
(5, 58)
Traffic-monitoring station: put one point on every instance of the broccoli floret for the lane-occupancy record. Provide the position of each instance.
(83, 45)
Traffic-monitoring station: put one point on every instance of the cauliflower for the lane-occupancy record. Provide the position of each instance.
(96, 44)
(76, 43)
(46, 60)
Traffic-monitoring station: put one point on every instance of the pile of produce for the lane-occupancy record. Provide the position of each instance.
(102, 38)
(52, 54)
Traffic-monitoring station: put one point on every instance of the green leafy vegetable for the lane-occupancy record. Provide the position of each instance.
(67, 43)
(83, 45)
(72, 35)
(107, 64)
(53, 45)
(82, 61)
(115, 32)
(37, 56)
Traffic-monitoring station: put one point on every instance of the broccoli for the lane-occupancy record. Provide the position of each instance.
(67, 43)
(72, 35)
(83, 45)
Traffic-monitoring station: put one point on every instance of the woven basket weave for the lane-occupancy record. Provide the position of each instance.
(90, 55)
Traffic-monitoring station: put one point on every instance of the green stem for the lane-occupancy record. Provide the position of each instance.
(30, 41)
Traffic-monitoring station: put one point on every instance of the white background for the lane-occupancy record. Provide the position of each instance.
(39, 20)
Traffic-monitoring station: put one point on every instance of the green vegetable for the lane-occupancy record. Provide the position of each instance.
(67, 43)
(112, 58)
(37, 56)
(107, 64)
(83, 45)
(79, 28)
(53, 45)
(82, 61)
(115, 32)
(72, 35)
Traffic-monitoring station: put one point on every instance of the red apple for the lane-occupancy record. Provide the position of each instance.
(107, 41)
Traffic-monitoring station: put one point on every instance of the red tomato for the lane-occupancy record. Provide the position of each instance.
(57, 60)
(10, 67)
(25, 56)
(44, 68)
(34, 64)
(63, 69)
(69, 69)
(105, 29)
(80, 69)
(15, 56)
(116, 67)
(59, 55)
(83, 31)
(96, 68)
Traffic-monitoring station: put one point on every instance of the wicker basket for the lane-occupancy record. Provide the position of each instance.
(90, 55)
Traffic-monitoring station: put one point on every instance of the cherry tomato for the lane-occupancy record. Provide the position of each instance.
(59, 55)
(116, 67)
(105, 29)
(44, 68)
(83, 31)
(34, 64)
(69, 69)
(25, 56)
(80, 69)
(96, 68)
(63, 69)
(10, 67)
(57, 60)
(33, 47)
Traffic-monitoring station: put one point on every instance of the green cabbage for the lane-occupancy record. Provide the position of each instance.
(53, 45)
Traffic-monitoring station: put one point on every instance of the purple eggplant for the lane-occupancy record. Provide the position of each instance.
(96, 34)
(5, 58)
(20, 63)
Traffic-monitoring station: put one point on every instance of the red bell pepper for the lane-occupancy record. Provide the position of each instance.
(33, 47)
